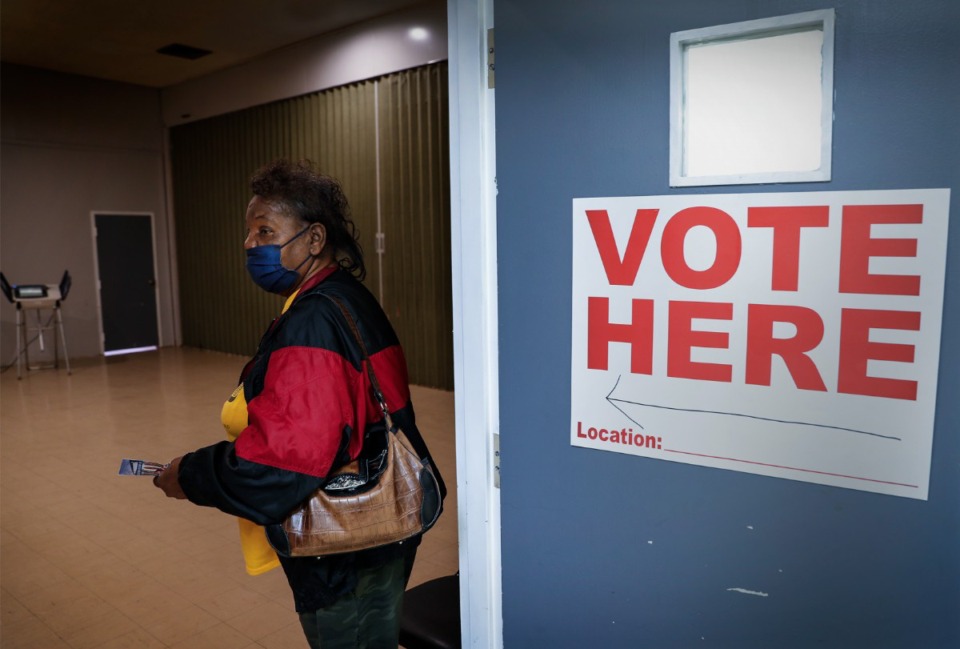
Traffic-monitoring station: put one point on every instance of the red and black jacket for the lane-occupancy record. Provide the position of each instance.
(308, 402)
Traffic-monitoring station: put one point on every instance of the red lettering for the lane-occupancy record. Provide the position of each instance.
(638, 334)
(856, 350)
(682, 338)
(621, 271)
(761, 345)
(727, 258)
(857, 247)
(786, 223)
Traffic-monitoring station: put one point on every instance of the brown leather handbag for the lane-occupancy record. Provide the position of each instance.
(386, 495)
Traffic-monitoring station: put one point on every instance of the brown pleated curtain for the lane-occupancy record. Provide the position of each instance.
(386, 140)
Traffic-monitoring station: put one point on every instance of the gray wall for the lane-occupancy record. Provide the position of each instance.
(582, 110)
(72, 145)
(365, 50)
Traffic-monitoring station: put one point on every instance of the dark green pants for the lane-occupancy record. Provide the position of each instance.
(367, 618)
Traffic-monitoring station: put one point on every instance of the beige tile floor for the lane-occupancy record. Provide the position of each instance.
(90, 559)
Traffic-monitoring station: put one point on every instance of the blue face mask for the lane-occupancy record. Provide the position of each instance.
(266, 270)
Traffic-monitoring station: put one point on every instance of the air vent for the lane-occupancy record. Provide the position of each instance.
(182, 51)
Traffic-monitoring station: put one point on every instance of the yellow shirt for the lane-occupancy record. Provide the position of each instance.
(258, 555)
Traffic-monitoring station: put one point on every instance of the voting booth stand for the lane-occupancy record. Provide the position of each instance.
(41, 304)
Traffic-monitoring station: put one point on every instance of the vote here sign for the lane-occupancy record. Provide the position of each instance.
(794, 335)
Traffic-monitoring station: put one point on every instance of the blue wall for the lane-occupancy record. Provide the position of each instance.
(582, 110)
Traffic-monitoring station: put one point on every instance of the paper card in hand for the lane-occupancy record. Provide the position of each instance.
(140, 467)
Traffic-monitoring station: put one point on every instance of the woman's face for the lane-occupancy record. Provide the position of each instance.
(301, 244)
(267, 225)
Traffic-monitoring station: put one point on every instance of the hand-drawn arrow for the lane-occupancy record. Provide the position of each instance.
(614, 402)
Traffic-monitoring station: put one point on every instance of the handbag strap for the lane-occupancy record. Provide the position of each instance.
(366, 359)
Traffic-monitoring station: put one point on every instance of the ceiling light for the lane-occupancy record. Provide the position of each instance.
(418, 34)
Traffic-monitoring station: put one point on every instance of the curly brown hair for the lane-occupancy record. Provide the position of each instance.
(299, 191)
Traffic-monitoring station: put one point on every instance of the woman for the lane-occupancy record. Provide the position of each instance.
(302, 405)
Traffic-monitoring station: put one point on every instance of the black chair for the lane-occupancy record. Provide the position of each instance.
(431, 615)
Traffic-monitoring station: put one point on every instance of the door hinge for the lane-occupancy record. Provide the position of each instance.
(381, 242)
(496, 461)
(491, 62)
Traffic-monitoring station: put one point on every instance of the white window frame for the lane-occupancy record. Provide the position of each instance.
(680, 41)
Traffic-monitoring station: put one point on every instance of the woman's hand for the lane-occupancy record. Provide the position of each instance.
(169, 482)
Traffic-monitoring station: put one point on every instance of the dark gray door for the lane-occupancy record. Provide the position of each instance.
(128, 303)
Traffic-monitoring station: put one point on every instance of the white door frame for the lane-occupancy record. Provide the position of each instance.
(475, 345)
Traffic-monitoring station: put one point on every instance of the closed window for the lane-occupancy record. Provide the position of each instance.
(752, 102)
